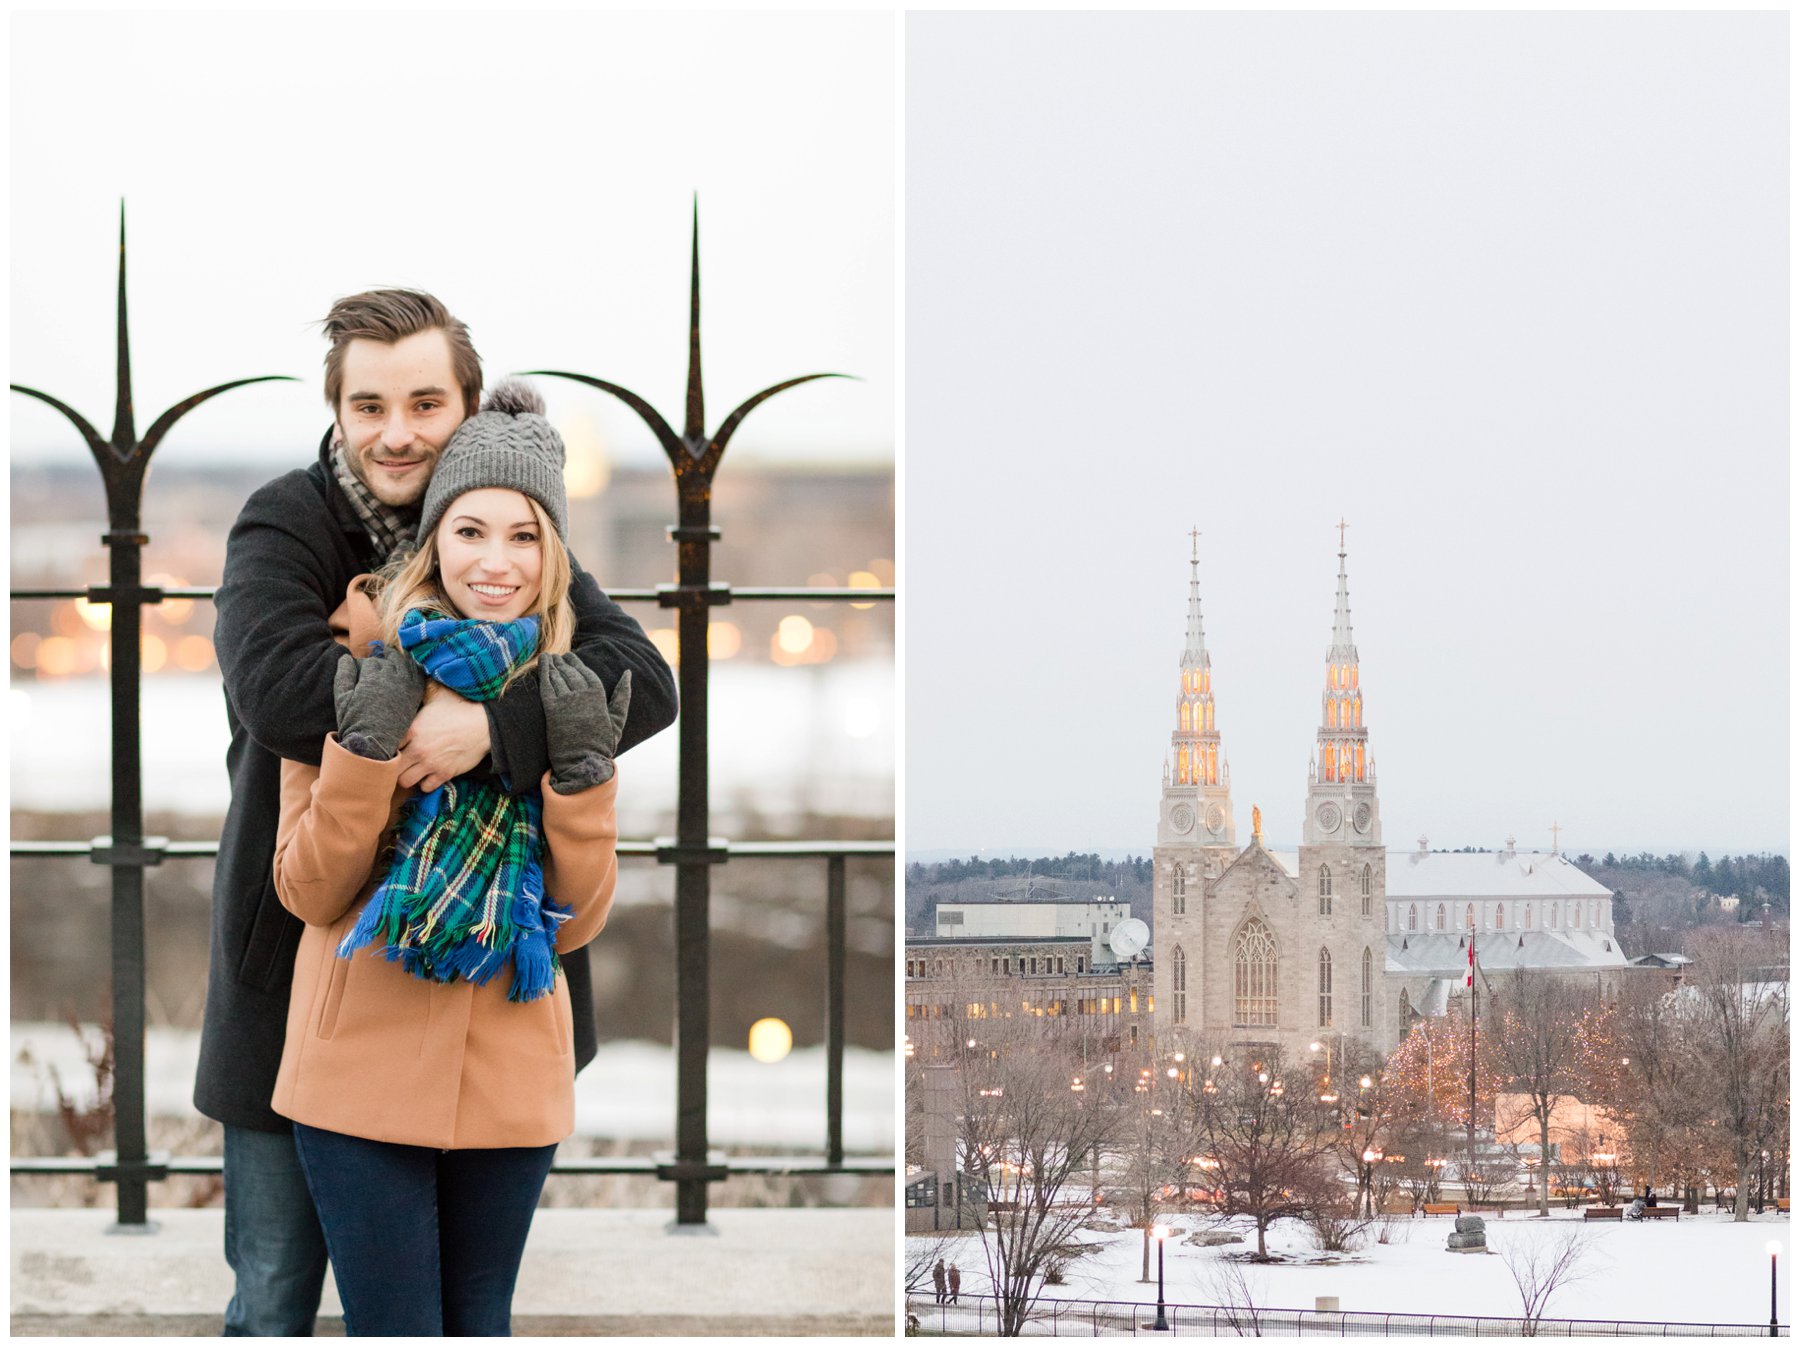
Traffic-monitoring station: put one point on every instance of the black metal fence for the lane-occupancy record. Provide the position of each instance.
(694, 457)
(977, 1316)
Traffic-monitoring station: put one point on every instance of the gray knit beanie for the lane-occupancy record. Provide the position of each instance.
(508, 443)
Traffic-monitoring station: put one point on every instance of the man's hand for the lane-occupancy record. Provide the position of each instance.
(448, 737)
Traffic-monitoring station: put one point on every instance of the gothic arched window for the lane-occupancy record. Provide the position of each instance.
(1555, 915)
(1324, 890)
(1443, 923)
(1575, 914)
(1469, 917)
(1499, 916)
(1331, 713)
(1180, 986)
(1256, 965)
(1412, 917)
(1368, 985)
(1368, 890)
(1324, 989)
(1209, 715)
(1178, 890)
(1527, 922)
(1186, 715)
(1406, 1010)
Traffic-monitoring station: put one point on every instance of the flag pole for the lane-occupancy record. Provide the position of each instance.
(1474, 1014)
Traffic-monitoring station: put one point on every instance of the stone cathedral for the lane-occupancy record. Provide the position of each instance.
(1342, 938)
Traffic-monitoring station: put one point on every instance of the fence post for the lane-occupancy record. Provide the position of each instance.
(694, 458)
(123, 462)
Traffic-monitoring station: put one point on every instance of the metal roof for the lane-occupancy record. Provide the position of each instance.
(1444, 953)
(1478, 874)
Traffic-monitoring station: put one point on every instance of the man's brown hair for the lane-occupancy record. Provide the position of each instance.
(388, 316)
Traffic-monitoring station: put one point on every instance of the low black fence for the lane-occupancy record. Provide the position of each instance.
(981, 1316)
(694, 458)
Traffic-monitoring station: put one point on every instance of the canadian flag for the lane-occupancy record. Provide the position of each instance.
(1469, 981)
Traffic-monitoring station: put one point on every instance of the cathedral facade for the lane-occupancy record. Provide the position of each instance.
(1339, 939)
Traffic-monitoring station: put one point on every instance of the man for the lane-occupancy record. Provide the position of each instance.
(937, 1282)
(400, 376)
(955, 1280)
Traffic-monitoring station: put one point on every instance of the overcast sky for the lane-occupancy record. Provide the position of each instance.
(535, 171)
(1506, 292)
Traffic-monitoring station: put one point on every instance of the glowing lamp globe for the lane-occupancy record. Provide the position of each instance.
(770, 1040)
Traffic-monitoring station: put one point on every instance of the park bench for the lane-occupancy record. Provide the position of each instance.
(1603, 1214)
(1781, 1204)
(1659, 1213)
(1443, 1208)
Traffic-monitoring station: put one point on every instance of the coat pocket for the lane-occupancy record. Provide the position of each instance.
(268, 959)
(338, 975)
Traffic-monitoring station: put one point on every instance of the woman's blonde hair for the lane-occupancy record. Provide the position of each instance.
(412, 581)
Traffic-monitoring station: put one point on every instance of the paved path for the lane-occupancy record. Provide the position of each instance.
(763, 1272)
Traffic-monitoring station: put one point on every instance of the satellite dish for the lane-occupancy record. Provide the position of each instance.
(1129, 937)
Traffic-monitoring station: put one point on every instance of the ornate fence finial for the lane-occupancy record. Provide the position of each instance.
(693, 456)
(124, 461)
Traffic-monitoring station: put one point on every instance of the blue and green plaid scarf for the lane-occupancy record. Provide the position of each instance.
(465, 892)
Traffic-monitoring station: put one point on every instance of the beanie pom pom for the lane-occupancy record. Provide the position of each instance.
(515, 397)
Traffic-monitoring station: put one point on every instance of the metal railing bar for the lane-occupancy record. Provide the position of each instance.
(837, 959)
(626, 847)
(749, 593)
(47, 1166)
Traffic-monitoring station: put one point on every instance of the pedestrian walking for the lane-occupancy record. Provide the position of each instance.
(955, 1279)
(938, 1280)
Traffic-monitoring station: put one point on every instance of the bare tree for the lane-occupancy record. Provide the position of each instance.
(1739, 979)
(1154, 1148)
(1537, 1032)
(1540, 1264)
(1027, 1137)
(1229, 1286)
(1261, 1143)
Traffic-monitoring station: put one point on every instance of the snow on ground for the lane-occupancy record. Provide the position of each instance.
(627, 1093)
(1700, 1269)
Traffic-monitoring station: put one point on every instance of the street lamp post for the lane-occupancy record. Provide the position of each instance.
(1774, 1250)
(1162, 1323)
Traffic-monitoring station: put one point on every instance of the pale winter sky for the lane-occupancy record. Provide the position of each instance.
(1509, 293)
(535, 170)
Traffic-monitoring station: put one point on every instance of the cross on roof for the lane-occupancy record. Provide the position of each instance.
(1194, 533)
(1341, 526)
(1555, 838)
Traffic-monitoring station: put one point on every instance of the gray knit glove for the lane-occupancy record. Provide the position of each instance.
(377, 699)
(582, 725)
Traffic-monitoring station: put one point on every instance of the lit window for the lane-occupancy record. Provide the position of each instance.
(1256, 965)
(1324, 989)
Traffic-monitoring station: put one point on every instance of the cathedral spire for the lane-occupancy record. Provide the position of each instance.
(1343, 742)
(1195, 741)
(1193, 655)
(1197, 781)
(1343, 644)
(1343, 770)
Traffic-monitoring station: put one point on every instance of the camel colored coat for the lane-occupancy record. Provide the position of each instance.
(372, 1051)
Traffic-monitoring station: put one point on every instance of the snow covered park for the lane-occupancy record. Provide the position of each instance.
(1700, 1269)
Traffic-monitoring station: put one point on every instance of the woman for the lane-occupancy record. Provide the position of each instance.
(429, 1061)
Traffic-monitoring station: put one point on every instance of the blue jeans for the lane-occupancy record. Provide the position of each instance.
(272, 1238)
(424, 1243)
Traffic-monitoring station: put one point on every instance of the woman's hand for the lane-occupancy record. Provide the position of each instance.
(581, 723)
(376, 700)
